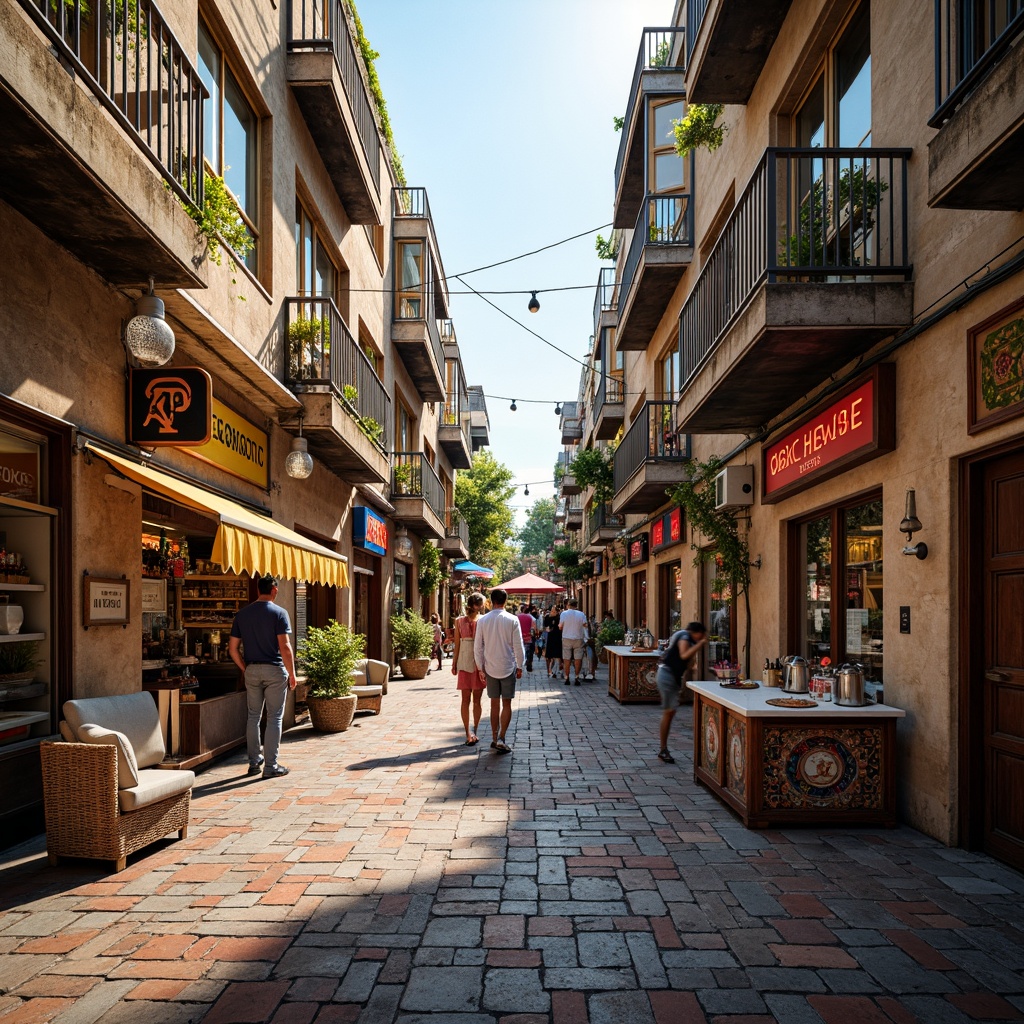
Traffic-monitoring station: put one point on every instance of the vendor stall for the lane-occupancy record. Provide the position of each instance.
(631, 675)
(806, 762)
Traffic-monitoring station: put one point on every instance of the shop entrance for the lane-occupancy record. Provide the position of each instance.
(366, 601)
(992, 705)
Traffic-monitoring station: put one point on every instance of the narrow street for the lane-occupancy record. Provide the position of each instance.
(398, 875)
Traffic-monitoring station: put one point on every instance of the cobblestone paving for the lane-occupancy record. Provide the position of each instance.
(397, 875)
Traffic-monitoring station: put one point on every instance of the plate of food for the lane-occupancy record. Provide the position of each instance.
(739, 684)
(792, 702)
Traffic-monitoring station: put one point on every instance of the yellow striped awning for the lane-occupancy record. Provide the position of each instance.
(245, 541)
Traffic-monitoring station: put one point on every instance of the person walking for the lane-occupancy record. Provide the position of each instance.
(469, 684)
(673, 665)
(527, 624)
(260, 645)
(552, 642)
(573, 625)
(499, 653)
(437, 651)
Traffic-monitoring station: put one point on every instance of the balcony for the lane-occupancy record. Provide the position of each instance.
(606, 301)
(346, 411)
(649, 460)
(559, 511)
(453, 428)
(572, 428)
(417, 495)
(659, 71)
(728, 46)
(101, 137)
(974, 163)
(479, 423)
(609, 405)
(573, 513)
(569, 485)
(660, 250)
(810, 272)
(603, 527)
(455, 543)
(324, 71)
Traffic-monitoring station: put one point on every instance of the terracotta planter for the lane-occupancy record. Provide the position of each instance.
(331, 714)
(414, 668)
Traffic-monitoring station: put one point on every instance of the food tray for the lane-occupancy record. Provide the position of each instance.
(791, 702)
(739, 684)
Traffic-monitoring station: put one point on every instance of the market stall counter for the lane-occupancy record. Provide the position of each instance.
(631, 675)
(803, 763)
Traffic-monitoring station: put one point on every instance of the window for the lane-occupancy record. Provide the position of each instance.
(405, 428)
(718, 608)
(409, 275)
(668, 374)
(451, 414)
(231, 130)
(315, 272)
(666, 168)
(839, 587)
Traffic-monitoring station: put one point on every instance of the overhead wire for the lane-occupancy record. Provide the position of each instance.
(543, 248)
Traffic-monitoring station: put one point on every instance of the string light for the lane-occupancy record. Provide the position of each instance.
(534, 305)
(558, 408)
(526, 491)
(513, 405)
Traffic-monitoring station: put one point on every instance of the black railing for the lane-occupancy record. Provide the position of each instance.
(320, 350)
(663, 220)
(133, 63)
(456, 527)
(821, 215)
(651, 437)
(970, 37)
(574, 506)
(602, 518)
(412, 476)
(606, 297)
(410, 202)
(660, 49)
(611, 390)
(695, 11)
(320, 25)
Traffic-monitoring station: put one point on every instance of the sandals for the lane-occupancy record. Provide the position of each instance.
(664, 755)
(501, 747)
(473, 742)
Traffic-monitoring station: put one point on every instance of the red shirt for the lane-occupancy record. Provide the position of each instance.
(526, 624)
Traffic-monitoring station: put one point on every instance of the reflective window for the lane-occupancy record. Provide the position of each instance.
(666, 168)
(410, 281)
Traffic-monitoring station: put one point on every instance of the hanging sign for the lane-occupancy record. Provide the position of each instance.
(169, 406)
(236, 446)
(636, 552)
(849, 431)
(667, 530)
(369, 531)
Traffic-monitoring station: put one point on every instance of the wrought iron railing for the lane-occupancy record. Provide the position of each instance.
(456, 527)
(133, 63)
(602, 518)
(320, 350)
(410, 202)
(970, 37)
(611, 390)
(663, 220)
(651, 437)
(606, 297)
(821, 215)
(412, 476)
(322, 24)
(660, 49)
(574, 507)
(695, 11)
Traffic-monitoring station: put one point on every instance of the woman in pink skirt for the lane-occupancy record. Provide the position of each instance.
(464, 666)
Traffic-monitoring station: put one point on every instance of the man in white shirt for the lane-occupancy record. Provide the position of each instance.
(573, 624)
(499, 653)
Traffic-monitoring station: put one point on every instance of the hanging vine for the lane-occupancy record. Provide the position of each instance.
(594, 468)
(430, 570)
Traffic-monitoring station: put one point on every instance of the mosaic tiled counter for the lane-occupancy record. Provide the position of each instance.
(789, 766)
(631, 675)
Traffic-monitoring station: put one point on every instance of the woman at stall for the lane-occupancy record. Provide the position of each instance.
(469, 684)
(553, 642)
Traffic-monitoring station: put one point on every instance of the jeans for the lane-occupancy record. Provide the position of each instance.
(528, 647)
(265, 684)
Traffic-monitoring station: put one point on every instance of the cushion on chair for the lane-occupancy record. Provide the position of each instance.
(377, 672)
(155, 785)
(127, 768)
(367, 691)
(358, 679)
(67, 733)
(133, 714)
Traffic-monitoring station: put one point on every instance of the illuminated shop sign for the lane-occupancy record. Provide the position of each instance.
(169, 406)
(667, 530)
(369, 531)
(636, 552)
(848, 432)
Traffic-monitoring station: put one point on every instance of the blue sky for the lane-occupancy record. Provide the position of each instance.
(503, 112)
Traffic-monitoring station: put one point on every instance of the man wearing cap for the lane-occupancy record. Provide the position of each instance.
(260, 645)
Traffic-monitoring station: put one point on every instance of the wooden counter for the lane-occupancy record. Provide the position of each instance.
(631, 675)
(795, 766)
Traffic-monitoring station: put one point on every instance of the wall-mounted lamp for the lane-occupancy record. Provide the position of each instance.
(513, 405)
(299, 463)
(910, 525)
(558, 408)
(403, 542)
(147, 336)
(533, 305)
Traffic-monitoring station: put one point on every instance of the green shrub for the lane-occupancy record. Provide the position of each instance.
(329, 657)
(411, 635)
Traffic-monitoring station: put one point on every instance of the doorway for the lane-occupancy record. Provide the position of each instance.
(992, 659)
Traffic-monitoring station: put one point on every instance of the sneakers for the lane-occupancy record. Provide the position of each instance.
(255, 767)
(276, 772)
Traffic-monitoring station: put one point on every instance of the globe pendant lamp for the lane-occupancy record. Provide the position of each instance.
(403, 542)
(299, 463)
(147, 336)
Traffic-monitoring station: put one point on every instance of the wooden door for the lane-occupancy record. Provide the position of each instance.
(1002, 684)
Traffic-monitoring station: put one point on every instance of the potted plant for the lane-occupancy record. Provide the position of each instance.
(610, 633)
(402, 474)
(329, 657)
(18, 661)
(310, 339)
(413, 638)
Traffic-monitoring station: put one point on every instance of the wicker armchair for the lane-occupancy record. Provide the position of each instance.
(376, 673)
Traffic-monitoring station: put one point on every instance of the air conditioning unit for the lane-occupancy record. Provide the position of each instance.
(734, 487)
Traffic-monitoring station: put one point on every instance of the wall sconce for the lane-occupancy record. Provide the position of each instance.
(299, 463)
(533, 306)
(403, 542)
(147, 336)
(910, 525)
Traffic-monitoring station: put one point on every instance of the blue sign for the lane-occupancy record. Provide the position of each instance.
(369, 531)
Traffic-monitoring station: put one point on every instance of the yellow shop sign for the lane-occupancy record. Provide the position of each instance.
(237, 446)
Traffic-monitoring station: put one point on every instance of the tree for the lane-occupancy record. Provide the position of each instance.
(539, 532)
(482, 496)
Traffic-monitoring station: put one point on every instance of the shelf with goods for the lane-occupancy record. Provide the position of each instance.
(211, 602)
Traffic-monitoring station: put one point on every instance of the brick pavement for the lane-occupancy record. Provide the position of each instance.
(397, 875)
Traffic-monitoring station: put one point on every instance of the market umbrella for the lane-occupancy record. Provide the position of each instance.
(531, 583)
(472, 569)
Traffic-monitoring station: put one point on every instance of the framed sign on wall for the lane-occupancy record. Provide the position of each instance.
(995, 369)
(105, 601)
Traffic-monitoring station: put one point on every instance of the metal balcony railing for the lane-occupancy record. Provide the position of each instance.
(602, 518)
(970, 37)
(320, 350)
(611, 390)
(410, 202)
(456, 527)
(412, 476)
(651, 437)
(821, 215)
(606, 297)
(322, 24)
(663, 220)
(695, 11)
(660, 48)
(133, 63)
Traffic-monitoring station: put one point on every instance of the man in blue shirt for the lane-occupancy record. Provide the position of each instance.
(260, 645)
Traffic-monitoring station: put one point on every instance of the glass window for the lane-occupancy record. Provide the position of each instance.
(815, 546)
(667, 167)
(410, 281)
(862, 527)
(718, 608)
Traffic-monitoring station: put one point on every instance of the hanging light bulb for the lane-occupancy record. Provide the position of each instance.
(558, 408)
(299, 463)
(147, 336)
(534, 305)
(513, 405)
(526, 491)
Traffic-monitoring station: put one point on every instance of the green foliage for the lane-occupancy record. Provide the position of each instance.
(219, 220)
(660, 58)
(700, 128)
(610, 633)
(607, 248)
(329, 658)
(411, 635)
(592, 467)
(369, 55)
(539, 532)
(402, 474)
(618, 122)
(482, 495)
(18, 657)
(311, 339)
(349, 392)
(567, 562)
(371, 428)
(430, 569)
